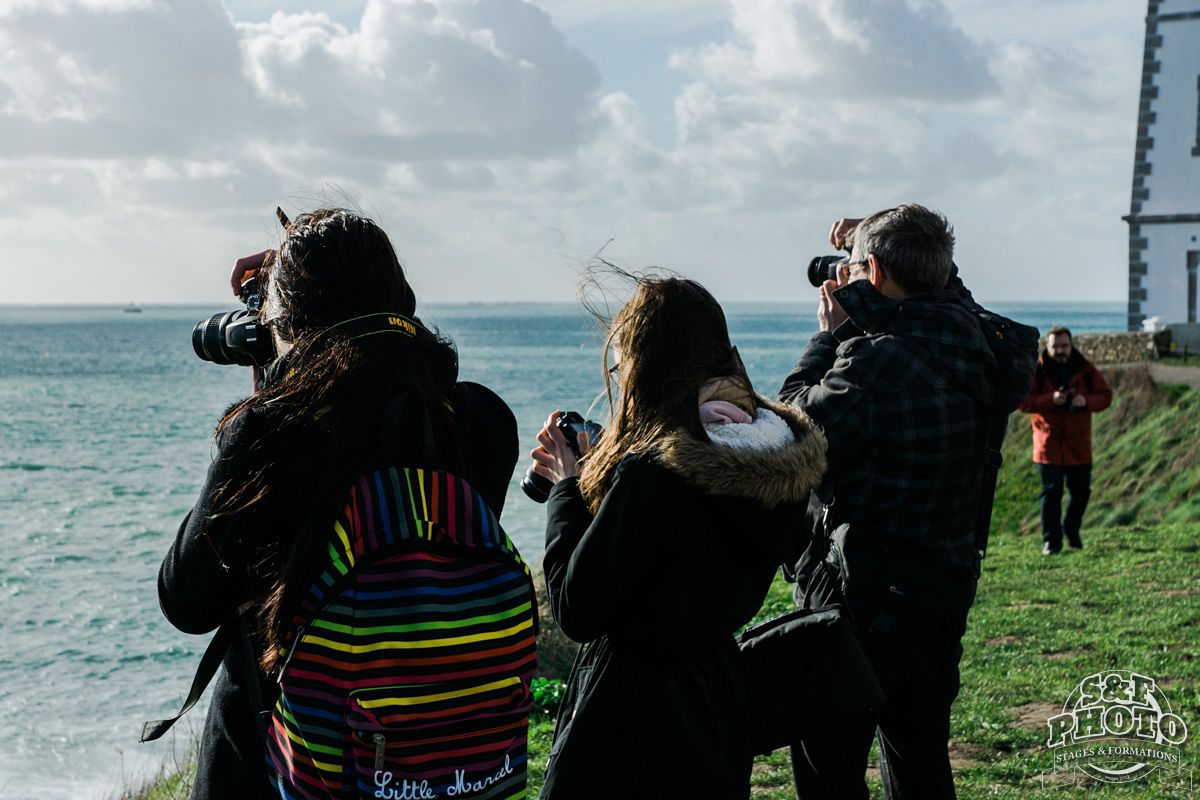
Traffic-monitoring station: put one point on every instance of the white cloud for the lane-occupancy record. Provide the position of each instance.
(840, 48)
(121, 81)
(661, 14)
(420, 80)
(416, 79)
(480, 136)
(63, 7)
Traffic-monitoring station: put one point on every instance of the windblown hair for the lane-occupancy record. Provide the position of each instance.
(331, 408)
(672, 339)
(914, 244)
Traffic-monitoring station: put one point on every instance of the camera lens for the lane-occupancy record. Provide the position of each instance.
(824, 268)
(210, 339)
(536, 487)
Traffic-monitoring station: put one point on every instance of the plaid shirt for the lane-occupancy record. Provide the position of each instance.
(903, 391)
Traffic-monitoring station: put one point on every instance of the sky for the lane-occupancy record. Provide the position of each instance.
(144, 144)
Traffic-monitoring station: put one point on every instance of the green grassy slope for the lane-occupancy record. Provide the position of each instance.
(1129, 601)
(1146, 456)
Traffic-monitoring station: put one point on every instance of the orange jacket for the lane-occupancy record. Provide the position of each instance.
(1061, 436)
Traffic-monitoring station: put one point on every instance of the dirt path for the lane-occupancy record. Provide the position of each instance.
(1161, 373)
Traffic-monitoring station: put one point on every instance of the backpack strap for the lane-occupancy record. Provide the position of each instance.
(993, 459)
(229, 632)
(1005, 338)
(253, 687)
(209, 663)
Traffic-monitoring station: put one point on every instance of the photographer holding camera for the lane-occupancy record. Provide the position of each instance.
(697, 479)
(347, 380)
(1067, 389)
(905, 385)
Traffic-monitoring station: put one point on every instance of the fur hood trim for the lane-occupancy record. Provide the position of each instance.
(776, 459)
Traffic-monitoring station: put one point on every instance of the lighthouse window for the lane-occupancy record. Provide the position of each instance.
(1196, 149)
(1193, 261)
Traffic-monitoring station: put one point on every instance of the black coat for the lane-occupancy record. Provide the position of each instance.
(209, 571)
(678, 557)
(904, 391)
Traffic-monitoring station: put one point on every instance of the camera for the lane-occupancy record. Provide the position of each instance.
(1070, 395)
(236, 337)
(824, 268)
(536, 487)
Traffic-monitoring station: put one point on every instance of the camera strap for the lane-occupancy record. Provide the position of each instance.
(371, 324)
(364, 325)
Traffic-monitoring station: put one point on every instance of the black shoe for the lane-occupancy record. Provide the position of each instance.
(1048, 550)
(1075, 543)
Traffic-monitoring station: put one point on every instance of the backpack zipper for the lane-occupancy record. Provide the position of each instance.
(380, 743)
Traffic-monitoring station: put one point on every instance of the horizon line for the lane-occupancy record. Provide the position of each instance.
(203, 304)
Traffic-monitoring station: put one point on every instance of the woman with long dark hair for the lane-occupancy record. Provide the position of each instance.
(341, 399)
(661, 543)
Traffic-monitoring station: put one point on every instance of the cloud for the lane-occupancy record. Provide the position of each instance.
(481, 137)
(417, 79)
(118, 79)
(145, 108)
(845, 48)
(421, 80)
(661, 14)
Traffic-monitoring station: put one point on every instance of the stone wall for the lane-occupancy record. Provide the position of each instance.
(1118, 348)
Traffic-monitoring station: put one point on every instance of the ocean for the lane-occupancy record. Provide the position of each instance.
(106, 421)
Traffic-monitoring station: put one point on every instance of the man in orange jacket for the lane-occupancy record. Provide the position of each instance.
(1066, 391)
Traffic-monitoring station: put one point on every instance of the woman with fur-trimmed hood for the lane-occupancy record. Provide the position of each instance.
(661, 543)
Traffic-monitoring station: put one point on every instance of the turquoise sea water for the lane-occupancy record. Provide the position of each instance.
(105, 434)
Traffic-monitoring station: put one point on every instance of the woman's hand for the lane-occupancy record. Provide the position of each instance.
(247, 264)
(244, 269)
(553, 458)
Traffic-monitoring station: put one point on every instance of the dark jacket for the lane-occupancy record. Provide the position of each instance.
(1062, 435)
(902, 391)
(655, 706)
(209, 571)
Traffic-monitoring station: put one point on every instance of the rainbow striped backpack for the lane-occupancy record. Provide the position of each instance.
(408, 671)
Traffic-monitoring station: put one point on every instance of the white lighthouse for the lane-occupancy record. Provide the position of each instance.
(1164, 212)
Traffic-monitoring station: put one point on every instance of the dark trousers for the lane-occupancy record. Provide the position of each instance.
(916, 657)
(1078, 480)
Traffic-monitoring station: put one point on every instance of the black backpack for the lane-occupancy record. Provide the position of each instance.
(1015, 347)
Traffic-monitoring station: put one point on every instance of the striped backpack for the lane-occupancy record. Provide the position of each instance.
(407, 674)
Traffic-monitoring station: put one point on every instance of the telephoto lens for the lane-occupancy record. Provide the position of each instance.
(236, 337)
(824, 268)
(233, 337)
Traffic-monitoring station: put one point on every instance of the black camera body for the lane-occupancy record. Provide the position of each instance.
(236, 337)
(536, 487)
(1070, 394)
(824, 268)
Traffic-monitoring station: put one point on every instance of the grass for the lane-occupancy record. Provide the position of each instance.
(1129, 601)
(1146, 456)
(1177, 359)
(173, 781)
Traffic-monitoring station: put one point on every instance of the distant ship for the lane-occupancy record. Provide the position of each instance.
(133, 308)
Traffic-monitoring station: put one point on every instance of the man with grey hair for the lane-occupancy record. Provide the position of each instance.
(906, 386)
